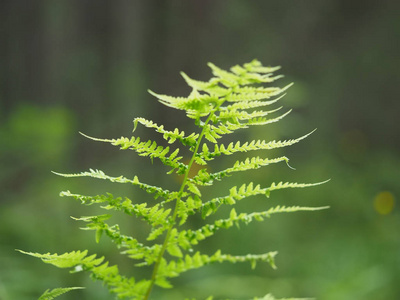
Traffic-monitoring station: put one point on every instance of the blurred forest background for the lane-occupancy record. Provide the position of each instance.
(69, 66)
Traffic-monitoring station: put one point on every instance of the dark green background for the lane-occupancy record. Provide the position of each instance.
(69, 66)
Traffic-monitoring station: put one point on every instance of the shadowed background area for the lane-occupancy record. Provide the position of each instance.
(70, 66)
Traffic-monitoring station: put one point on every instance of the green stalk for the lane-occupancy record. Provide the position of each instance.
(164, 246)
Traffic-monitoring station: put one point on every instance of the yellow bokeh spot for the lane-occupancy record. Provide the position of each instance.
(384, 203)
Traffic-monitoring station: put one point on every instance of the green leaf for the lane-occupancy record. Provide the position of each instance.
(99, 233)
(49, 295)
(174, 250)
(164, 283)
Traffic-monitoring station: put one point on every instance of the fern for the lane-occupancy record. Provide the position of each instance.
(230, 101)
(49, 295)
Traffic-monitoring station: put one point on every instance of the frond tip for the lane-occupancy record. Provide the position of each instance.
(51, 294)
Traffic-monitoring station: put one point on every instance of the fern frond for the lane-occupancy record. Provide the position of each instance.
(122, 286)
(54, 293)
(226, 78)
(135, 250)
(197, 84)
(191, 187)
(147, 148)
(253, 163)
(158, 191)
(68, 259)
(271, 91)
(231, 100)
(188, 207)
(235, 116)
(249, 104)
(257, 121)
(245, 190)
(257, 67)
(193, 237)
(175, 267)
(285, 185)
(155, 215)
(169, 136)
(270, 297)
(196, 104)
(211, 87)
(213, 133)
(266, 297)
(232, 79)
(248, 190)
(248, 146)
(208, 298)
(251, 94)
(226, 128)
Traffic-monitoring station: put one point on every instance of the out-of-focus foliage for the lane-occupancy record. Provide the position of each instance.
(72, 65)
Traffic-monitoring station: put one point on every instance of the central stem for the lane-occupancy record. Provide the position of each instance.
(166, 240)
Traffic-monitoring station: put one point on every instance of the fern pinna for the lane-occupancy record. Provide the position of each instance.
(229, 101)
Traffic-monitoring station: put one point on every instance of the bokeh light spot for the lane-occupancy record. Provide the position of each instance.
(384, 203)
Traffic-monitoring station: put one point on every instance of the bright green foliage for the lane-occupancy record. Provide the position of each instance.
(230, 101)
(49, 295)
(266, 297)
